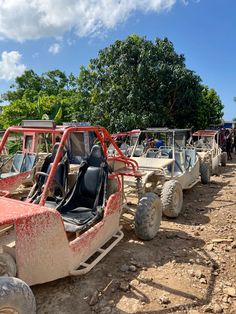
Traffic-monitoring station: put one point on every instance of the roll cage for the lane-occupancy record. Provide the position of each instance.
(62, 133)
(172, 139)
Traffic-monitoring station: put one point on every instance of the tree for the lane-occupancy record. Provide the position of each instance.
(33, 95)
(137, 83)
(210, 109)
(134, 83)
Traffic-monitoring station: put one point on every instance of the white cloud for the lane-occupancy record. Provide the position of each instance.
(54, 48)
(10, 66)
(32, 19)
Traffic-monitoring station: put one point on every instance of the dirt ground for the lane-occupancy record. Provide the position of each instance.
(188, 268)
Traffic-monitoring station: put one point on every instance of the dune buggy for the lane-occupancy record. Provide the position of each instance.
(125, 141)
(170, 166)
(207, 143)
(21, 153)
(71, 218)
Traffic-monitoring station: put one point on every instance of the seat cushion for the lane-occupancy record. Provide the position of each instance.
(78, 216)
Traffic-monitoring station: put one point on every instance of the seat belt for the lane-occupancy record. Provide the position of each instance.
(102, 169)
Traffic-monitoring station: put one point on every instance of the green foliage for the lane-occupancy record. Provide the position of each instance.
(134, 83)
(33, 96)
(137, 83)
(210, 109)
(13, 146)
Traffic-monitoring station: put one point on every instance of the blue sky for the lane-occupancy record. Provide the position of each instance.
(65, 34)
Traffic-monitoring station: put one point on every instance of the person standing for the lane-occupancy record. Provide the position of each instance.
(234, 135)
(228, 136)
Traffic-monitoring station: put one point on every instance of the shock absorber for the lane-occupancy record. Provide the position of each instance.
(139, 186)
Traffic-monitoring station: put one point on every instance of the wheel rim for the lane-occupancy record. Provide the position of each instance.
(8, 310)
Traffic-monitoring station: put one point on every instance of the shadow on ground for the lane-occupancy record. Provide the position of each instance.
(171, 246)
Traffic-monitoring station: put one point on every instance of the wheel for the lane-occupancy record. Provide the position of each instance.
(205, 172)
(148, 216)
(172, 198)
(7, 265)
(16, 297)
(223, 159)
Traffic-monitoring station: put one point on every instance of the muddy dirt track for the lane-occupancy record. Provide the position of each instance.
(190, 267)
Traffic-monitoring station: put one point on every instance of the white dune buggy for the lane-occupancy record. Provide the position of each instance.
(207, 143)
(169, 166)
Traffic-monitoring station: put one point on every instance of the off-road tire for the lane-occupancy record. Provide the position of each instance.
(148, 216)
(205, 172)
(223, 159)
(7, 265)
(16, 295)
(172, 198)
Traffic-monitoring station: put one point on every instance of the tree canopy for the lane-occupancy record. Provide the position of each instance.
(134, 83)
(137, 83)
(33, 96)
(210, 109)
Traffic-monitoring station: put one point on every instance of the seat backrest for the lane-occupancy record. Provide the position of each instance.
(179, 160)
(191, 153)
(48, 161)
(138, 151)
(96, 156)
(166, 151)
(60, 176)
(17, 162)
(90, 183)
(151, 154)
(29, 162)
(89, 188)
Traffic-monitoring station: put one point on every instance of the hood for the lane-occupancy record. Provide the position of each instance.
(12, 210)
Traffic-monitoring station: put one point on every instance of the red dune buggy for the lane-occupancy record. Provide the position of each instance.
(19, 167)
(71, 218)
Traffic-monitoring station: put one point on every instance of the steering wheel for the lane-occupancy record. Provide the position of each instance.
(57, 184)
(164, 154)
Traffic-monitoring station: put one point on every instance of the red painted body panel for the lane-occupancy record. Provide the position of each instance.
(13, 182)
(205, 133)
(115, 136)
(42, 250)
(12, 210)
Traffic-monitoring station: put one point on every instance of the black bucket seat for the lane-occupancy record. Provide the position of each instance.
(85, 202)
(60, 177)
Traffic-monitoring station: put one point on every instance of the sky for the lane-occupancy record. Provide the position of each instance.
(64, 34)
